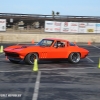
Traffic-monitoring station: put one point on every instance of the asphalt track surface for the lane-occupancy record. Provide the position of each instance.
(53, 81)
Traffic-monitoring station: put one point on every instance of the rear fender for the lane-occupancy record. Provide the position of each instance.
(74, 52)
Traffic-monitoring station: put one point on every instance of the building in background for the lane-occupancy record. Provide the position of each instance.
(36, 21)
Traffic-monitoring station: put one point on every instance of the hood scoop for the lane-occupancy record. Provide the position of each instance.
(21, 47)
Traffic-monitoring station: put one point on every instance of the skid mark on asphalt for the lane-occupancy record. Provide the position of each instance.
(73, 86)
(75, 82)
(67, 94)
(17, 83)
(87, 62)
(1, 54)
(8, 66)
(70, 79)
(83, 63)
(16, 77)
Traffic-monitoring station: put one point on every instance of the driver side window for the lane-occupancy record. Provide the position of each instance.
(59, 44)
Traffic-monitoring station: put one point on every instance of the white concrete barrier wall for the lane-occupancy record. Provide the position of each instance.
(6, 37)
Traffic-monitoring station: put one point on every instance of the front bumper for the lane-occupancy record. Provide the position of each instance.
(15, 59)
(13, 56)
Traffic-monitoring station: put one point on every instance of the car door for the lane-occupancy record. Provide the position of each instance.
(45, 52)
(59, 51)
(45, 49)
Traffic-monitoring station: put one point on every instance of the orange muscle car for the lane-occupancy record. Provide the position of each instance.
(48, 48)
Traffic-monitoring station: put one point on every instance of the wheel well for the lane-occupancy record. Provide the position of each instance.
(32, 52)
(75, 52)
(79, 53)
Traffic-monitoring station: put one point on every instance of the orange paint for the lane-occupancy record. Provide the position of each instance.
(45, 52)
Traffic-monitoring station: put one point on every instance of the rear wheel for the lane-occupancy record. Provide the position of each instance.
(74, 57)
(29, 59)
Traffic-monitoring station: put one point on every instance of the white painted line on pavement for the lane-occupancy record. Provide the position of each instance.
(37, 84)
(89, 59)
(27, 88)
(44, 69)
(2, 71)
(95, 46)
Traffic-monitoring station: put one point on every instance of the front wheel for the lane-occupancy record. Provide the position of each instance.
(29, 59)
(74, 58)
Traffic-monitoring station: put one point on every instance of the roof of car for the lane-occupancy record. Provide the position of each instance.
(56, 39)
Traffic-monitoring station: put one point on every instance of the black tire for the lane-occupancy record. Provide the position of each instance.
(29, 59)
(14, 61)
(74, 58)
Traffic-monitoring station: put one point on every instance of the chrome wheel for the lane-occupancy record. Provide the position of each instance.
(74, 57)
(32, 58)
(29, 59)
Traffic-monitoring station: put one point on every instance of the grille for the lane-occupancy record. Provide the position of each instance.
(12, 54)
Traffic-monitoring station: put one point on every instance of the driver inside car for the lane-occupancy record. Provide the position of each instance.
(59, 44)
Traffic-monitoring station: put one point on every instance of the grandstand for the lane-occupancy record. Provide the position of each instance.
(31, 19)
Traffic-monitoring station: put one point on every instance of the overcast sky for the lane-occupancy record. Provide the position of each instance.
(45, 7)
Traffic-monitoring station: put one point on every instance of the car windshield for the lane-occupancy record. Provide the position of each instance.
(45, 42)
